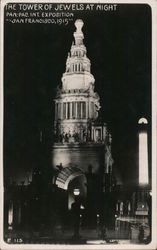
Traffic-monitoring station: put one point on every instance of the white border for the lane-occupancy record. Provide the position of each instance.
(153, 244)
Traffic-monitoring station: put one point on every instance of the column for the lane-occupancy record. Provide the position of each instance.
(59, 113)
(66, 110)
(61, 110)
(81, 110)
(143, 158)
(55, 111)
(76, 109)
(81, 67)
(87, 109)
(70, 110)
(73, 110)
(68, 105)
(143, 152)
(101, 133)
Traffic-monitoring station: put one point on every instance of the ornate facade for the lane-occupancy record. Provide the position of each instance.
(76, 103)
(82, 140)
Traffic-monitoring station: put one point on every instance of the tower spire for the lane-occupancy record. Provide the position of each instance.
(78, 34)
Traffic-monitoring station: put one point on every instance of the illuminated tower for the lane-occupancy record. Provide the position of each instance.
(76, 103)
(143, 152)
(81, 138)
(143, 192)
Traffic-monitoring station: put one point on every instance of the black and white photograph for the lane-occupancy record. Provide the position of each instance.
(77, 124)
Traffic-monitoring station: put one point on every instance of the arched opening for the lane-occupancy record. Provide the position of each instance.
(71, 178)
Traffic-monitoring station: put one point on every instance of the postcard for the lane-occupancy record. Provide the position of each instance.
(78, 124)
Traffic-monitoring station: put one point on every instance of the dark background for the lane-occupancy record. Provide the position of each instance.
(119, 47)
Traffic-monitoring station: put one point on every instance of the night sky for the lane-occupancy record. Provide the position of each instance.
(119, 46)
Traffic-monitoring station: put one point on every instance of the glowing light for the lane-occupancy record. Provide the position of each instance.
(143, 158)
(142, 120)
(10, 215)
(76, 191)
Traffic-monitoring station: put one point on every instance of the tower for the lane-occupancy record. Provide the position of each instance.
(143, 152)
(82, 140)
(144, 185)
(77, 104)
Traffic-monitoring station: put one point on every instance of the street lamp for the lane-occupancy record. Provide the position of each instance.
(76, 191)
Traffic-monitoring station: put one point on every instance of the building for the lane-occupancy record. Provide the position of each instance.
(82, 140)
